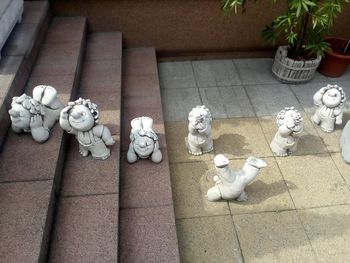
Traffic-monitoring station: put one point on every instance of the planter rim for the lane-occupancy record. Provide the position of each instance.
(334, 54)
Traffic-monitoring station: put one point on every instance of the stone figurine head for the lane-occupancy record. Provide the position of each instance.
(144, 141)
(291, 117)
(83, 115)
(333, 96)
(23, 108)
(200, 117)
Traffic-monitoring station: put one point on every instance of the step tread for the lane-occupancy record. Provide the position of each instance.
(36, 167)
(18, 56)
(86, 228)
(147, 220)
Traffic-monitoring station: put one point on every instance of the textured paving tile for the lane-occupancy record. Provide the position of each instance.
(255, 71)
(141, 86)
(104, 46)
(316, 181)
(342, 166)
(214, 73)
(35, 11)
(268, 100)
(179, 102)
(227, 102)
(139, 62)
(328, 229)
(24, 159)
(308, 143)
(176, 132)
(145, 184)
(148, 235)
(208, 239)
(305, 94)
(66, 29)
(239, 137)
(24, 208)
(59, 53)
(189, 190)
(331, 140)
(268, 192)
(273, 237)
(85, 230)
(89, 176)
(176, 75)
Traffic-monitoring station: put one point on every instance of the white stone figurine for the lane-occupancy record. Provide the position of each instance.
(81, 119)
(345, 142)
(144, 141)
(36, 115)
(199, 138)
(330, 101)
(230, 184)
(290, 128)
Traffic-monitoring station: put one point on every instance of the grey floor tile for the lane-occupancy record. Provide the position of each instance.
(227, 102)
(268, 100)
(305, 94)
(177, 103)
(255, 71)
(213, 73)
(176, 75)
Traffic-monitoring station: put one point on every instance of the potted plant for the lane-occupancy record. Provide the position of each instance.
(337, 58)
(304, 25)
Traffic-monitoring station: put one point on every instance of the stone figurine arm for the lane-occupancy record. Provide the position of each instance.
(206, 131)
(40, 134)
(339, 118)
(318, 97)
(192, 129)
(157, 154)
(131, 155)
(15, 128)
(64, 122)
(284, 131)
(104, 133)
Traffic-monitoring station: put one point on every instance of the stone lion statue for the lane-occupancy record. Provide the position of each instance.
(199, 138)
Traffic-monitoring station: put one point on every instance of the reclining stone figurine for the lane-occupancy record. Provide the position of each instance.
(199, 138)
(81, 119)
(345, 142)
(330, 101)
(290, 128)
(230, 184)
(144, 141)
(36, 115)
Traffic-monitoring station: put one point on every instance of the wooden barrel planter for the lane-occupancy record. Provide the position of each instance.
(293, 71)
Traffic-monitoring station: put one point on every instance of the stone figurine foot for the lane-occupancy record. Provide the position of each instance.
(84, 152)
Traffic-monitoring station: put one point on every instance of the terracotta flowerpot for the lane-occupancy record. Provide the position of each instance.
(335, 61)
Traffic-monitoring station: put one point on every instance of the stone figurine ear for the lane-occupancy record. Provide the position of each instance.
(156, 156)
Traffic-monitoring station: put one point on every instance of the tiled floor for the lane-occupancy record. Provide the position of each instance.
(299, 206)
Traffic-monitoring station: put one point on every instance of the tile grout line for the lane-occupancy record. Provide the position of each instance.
(197, 85)
(236, 232)
(87, 195)
(341, 174)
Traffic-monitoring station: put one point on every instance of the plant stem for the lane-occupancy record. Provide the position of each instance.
(299, 46)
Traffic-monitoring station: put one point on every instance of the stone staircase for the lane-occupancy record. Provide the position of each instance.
(56, 206)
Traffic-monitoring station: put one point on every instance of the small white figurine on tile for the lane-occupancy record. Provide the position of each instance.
(290, 128)
(36, 115)
(80, 118)
(199, 138)
(144, 141)
(230, 184)
(330, 101)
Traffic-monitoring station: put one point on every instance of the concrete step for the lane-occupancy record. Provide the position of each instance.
(86, 223)
(147, 231)
(18, 56)
(30, 172)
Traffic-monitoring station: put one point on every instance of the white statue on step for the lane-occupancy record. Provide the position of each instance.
(330, 101)
(199, 138)
(290, 128)
(81, 119)
(36, 115)
(144, 141)
(230, 184)
(345, 142)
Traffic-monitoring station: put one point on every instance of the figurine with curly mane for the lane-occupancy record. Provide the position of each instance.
(289, 123)
(330, 101)
(199, 139)
(81, 119)
(144, 141)
(36, 115)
